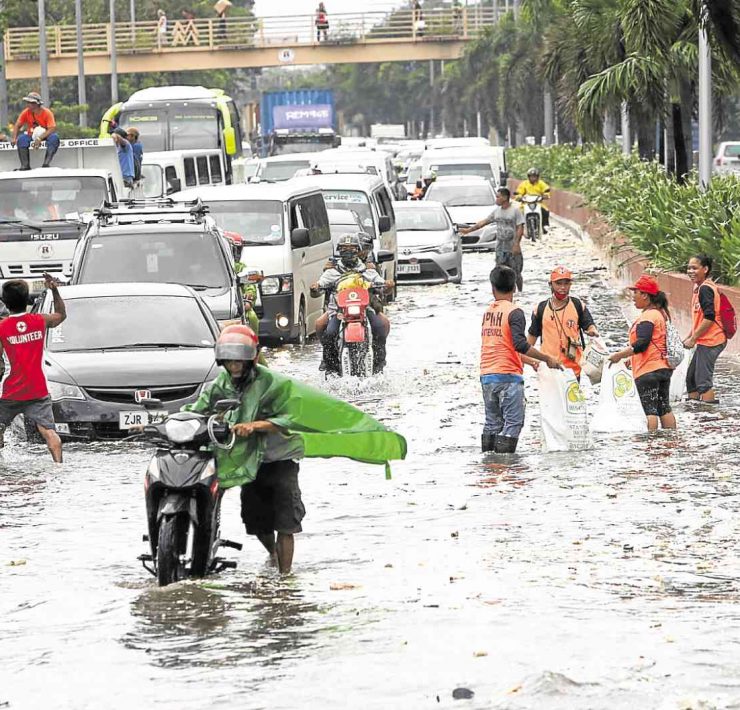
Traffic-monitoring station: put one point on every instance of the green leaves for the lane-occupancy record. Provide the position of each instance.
(666, 221)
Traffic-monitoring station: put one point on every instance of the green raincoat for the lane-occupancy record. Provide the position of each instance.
(316, 423)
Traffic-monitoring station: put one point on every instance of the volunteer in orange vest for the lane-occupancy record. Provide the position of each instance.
(504, 350)
(560, 321)
(706, 331)
(648, 353)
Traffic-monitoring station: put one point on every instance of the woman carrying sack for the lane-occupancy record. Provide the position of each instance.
(648, 353)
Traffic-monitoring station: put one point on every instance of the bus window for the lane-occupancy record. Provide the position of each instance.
(203, 176)
(216, 176)
(190, 178)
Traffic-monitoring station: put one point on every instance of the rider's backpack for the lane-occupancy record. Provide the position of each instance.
(727, 317)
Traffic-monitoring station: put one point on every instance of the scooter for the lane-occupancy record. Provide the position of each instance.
(183, 498)
(532, 205)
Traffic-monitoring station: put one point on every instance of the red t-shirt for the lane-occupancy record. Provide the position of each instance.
(22, 340)
(43, 118)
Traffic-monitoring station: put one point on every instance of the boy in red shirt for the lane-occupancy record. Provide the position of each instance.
(32, 117)
(23, 389)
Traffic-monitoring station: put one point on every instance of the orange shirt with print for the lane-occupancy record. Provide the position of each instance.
(656, 355)
(43, 118)
(497, 353)
(715, 335)
(557, 327)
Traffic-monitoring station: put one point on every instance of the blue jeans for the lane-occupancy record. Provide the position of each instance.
(52, 141)
(504, 403)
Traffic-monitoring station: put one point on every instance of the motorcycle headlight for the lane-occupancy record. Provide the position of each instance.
(446, 247)
(181, 431)
(353, 310)
(60, 390)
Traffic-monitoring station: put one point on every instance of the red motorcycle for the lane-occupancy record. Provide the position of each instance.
(355, 339)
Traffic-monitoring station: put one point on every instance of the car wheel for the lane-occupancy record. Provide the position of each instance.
(302, 336)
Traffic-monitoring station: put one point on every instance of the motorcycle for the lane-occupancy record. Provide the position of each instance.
(532, 205)
(183, 498)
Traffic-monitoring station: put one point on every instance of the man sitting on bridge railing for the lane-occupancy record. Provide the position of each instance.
(35, 117)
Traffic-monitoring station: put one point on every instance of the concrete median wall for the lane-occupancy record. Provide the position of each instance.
(625, 264)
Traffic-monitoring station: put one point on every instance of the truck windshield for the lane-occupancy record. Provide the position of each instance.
(352, 200)
(256, 221)
(190, 258)
(41, 198)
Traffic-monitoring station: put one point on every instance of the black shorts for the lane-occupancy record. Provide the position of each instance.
(38, 411)
(654, 389)
(272, 502)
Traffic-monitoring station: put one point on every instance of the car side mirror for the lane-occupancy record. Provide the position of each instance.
(224, 405)
(173, 185)
(384, 224)
(299, 238)
(384, 255)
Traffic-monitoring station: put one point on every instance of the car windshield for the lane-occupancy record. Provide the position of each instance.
(50, 198)
(733, 150)
(256, 221)
(478, 169)
(354, 201)
(461, 195)
(125, 321)
(421, 220)
(152, 180)
(413, 174)
(191, 258)
(277, 171)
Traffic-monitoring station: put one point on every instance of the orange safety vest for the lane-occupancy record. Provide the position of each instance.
(656, 355)
(497, 353)
(557, 327)
(715, 335)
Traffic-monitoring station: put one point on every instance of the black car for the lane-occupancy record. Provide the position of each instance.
(123, 343)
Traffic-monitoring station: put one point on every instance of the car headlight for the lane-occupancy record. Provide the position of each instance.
(277, 284)
(181, 431)
(446, 247)
(60, 390)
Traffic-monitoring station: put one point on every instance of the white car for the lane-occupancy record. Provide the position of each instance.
(727, 160)
(468, 200)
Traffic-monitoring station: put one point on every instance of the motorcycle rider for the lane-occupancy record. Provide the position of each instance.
(533, 185)
(349, 248)
(429, 178)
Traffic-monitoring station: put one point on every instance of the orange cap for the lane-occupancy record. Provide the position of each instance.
(560, 272)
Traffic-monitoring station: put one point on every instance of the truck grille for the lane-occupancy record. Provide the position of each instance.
(35, 269)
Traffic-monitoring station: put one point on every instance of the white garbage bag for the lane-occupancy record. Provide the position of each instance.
(619, 408)
(563, 414)
(678, 378)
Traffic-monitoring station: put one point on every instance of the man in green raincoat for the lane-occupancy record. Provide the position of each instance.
(280, 420)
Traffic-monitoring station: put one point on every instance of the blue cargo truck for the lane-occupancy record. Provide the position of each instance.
(300, 121)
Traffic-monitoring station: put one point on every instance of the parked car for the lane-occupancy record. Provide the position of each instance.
(429, 248)
(468, 200)
(123, 343)
(727, 160)
(161, 242)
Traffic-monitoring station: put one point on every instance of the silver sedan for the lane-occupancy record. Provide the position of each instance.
(429, 249)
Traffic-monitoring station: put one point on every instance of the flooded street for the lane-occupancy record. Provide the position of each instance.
(601, 579)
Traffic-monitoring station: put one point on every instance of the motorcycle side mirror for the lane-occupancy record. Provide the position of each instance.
(385, 255)
(151, 403)
(224, 405)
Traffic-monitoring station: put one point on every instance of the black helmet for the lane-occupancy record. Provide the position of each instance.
(349, 242)
(533, 171)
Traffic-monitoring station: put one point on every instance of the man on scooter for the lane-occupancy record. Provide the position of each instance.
(534, 186)
(327, 327)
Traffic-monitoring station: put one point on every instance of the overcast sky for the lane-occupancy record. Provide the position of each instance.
(265, 8)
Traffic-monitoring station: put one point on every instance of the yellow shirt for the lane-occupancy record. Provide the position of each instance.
(539, 188)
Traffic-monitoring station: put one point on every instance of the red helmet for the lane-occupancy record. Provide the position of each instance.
(237, 342)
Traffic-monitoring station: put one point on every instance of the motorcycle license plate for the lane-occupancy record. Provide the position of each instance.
(129, 420)
(408, 268)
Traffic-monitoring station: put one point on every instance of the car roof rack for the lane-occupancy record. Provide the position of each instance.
(162, 208)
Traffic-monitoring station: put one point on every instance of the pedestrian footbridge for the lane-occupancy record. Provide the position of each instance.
(247, 42)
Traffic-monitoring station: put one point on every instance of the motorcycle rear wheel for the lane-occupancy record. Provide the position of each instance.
(171, 540)
(533, 227)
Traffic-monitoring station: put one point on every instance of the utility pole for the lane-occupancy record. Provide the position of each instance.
(113, 56)
(132, 13)
(431, 93)
(549, 123)
(626, 137)
(81, 91)
(705, 104)
(3, 80)
(43, 56)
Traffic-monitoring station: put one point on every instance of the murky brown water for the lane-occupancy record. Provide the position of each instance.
(604, 579)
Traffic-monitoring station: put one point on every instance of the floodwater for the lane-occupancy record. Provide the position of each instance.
(600, 579)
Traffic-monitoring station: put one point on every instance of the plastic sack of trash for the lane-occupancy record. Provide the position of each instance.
(563, 415)
(678, 378)
(592, 360)
(619, 408)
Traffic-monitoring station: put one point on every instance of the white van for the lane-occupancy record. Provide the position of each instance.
(488, 162)
(174, 170)
(278, 168)
(368, 197)
(372, 162)
(285, 234)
